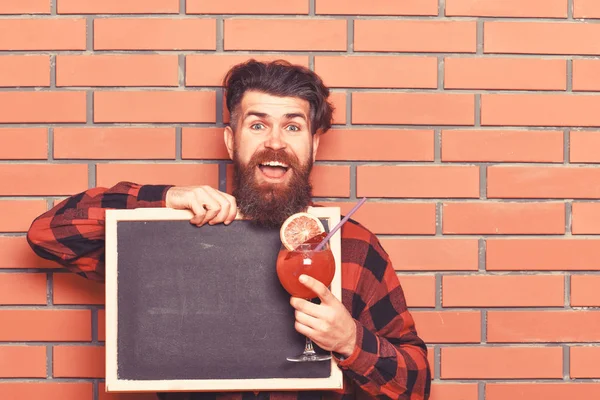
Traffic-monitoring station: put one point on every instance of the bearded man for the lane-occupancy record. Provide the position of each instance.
(278, 114)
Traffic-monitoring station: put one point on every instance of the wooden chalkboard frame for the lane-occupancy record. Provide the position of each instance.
(115, 384)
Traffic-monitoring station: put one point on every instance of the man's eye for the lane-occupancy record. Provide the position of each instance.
(256, 126)
(293, 128)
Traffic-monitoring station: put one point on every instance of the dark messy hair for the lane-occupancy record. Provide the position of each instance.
(283, 79)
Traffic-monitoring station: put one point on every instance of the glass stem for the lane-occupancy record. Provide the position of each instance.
(308, 347)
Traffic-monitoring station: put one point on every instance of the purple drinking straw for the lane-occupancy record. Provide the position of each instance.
(342, 222)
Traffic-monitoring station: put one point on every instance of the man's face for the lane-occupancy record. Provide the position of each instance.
(273, 151)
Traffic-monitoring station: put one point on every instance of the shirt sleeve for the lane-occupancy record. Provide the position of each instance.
(389, 359)
(72, 233)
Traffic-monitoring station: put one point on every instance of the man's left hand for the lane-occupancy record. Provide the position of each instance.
(328, 324)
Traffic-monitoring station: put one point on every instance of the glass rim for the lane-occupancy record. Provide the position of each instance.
(311, 247)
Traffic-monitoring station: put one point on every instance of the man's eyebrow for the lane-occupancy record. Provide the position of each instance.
(295, 115)
(256, 114)
(265, 115)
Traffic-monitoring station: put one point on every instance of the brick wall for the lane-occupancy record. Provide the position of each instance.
(472, 126)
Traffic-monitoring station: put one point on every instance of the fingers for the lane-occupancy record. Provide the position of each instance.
(317, 287)
(206, 203)
(306, 307)
(328, 324)
(202, 205)
(307, 320)
(213, 203)
(307, 315)
(306, 331)
(227, 204)
(183, 198)
(199, 213)
(318, 337)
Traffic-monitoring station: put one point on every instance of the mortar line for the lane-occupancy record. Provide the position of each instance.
(350, 33)
(222, 177)
(480, 37)
(50, 140)
(437, 149)
(483, 326)
(49, 361)
(570, 7)
(566, 146)
(353, 181)
(89, 33)
(220, 35)
(50, 289)
(178, 143)
(566, 363)
(438, 291)
(96, 390)
(483, 171)
(569, 75)
(89, 112)
(439, 219)
(220, 108)
(348, 108)
(181, 70)
(437, 361)
(53, 71)
(441, 72)
(568, 218)
(481, 254)
(91, 175)
(568, 291)
(477, 122)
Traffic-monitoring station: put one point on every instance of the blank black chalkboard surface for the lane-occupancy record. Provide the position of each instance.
(202, 309)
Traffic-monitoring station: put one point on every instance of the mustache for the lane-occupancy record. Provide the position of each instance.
(274, 155)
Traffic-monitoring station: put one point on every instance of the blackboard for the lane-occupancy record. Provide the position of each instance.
(201, 308)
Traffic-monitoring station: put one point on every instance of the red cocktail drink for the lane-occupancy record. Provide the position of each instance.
(304, 260)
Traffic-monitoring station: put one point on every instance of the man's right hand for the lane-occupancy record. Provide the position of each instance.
(207, 204)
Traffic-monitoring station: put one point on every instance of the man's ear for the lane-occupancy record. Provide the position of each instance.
(228, 137)
(316, 138)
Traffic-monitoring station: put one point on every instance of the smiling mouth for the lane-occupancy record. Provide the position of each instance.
(274, 170)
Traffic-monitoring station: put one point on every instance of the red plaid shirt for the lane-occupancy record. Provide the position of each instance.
(389, 360)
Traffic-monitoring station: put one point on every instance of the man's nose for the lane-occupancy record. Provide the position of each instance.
(275, 140)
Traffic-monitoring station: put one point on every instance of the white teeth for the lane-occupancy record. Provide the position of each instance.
(275, 164)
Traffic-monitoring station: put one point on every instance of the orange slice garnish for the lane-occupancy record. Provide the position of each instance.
(300, 228)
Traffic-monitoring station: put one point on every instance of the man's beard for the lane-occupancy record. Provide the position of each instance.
(269, 204)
